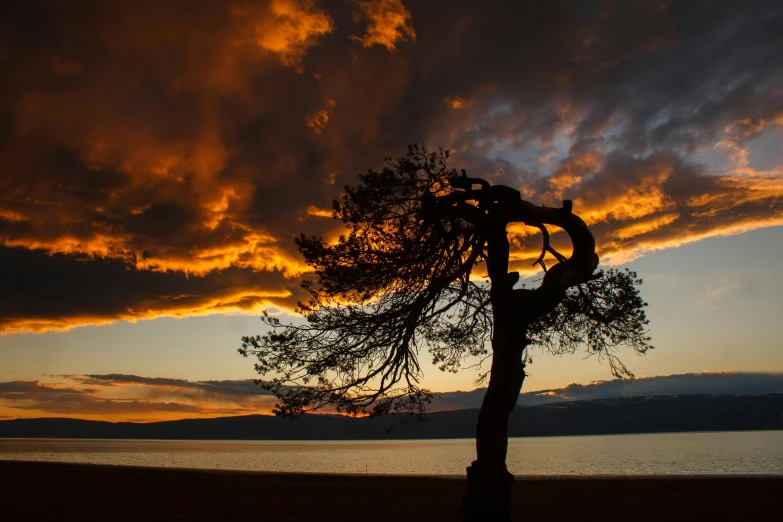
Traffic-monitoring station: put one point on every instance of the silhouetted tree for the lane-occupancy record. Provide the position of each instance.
(402, 280)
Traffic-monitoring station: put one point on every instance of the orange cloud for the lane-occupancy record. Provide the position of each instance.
(734, 191)
(10, 215)
(250, 301)
(388, 22)
(254, 250)
(613, 254)
(288, 28)
(457, 102)
(312, 210)
(643, 226)
(572, 172)
(638, 206)
(737, 133)
(317, 121)
(642, 199)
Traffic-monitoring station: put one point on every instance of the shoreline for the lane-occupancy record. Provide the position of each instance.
(33, 490)
(348, 440)
(517, 478)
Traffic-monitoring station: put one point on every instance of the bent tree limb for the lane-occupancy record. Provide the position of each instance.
(579, 268)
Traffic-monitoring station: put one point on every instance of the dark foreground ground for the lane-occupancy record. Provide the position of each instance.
(70, 492)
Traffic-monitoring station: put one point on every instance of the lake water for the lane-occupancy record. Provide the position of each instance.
(724, 453)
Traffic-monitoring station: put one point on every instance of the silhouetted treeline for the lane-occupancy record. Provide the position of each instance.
(608, 416)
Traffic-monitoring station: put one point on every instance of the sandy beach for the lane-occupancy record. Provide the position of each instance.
(70, 492)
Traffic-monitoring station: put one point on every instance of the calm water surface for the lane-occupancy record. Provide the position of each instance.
(744, 453)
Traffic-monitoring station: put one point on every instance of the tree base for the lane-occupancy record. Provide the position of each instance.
(489, 494)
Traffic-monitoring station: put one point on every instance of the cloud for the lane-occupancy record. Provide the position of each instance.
(159, 160)
(34, 396)
(637, 205)
(120, 397)
(222, 387)
(287, 28)
(317, 121)
(722, 289)
(709, 383)
(388, 22)
(43, 292)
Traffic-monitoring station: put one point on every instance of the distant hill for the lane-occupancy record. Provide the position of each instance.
(594, 417)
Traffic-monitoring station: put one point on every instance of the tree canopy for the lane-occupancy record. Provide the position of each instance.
(404, 279)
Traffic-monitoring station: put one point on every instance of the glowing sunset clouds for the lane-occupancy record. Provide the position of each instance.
(158, 158)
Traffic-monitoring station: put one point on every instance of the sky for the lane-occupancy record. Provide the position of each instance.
(157, 159)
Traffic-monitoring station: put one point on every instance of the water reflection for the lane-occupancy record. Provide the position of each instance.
(753, 453)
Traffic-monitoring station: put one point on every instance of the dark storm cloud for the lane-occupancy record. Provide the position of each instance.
(73, 290)
(668, 74)
(158, 158)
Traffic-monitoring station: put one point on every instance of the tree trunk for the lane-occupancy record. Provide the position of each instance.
(489, 482)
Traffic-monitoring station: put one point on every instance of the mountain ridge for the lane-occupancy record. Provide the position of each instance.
(645, 414)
